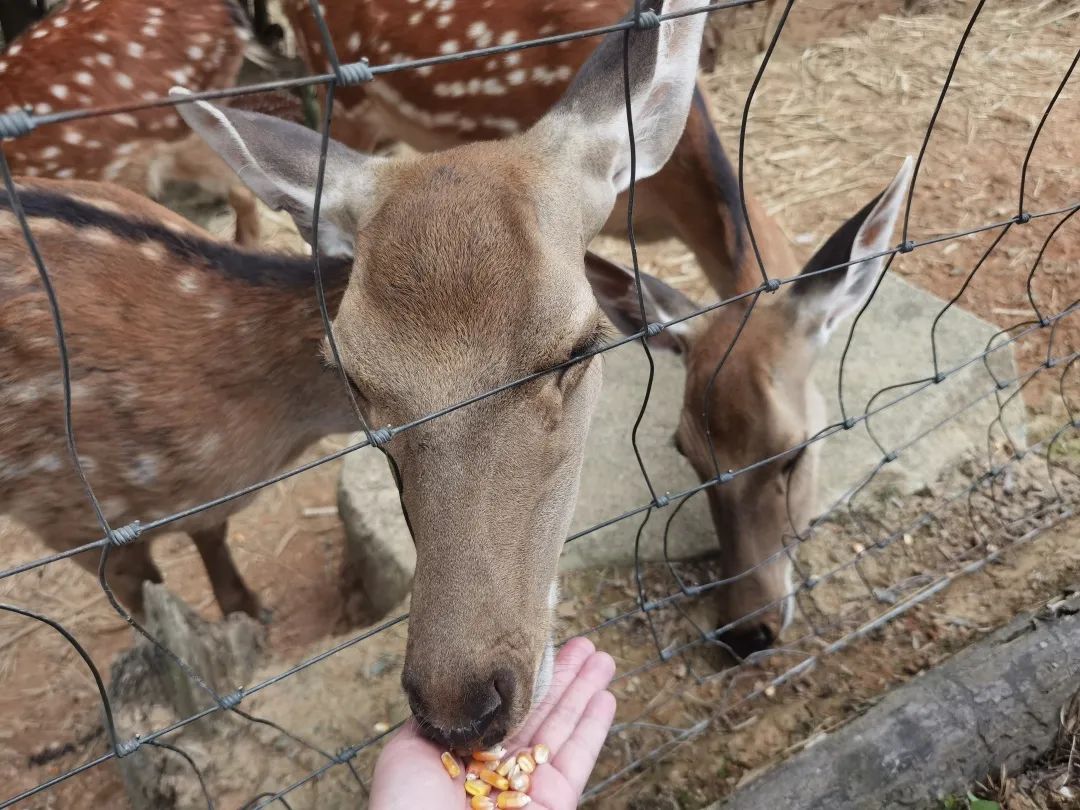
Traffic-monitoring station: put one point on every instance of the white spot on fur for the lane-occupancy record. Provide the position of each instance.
(189, 282)
(444, 20)
(135, 49)
(84, 78)
(98, 236)
(14, 49)
(72, 136)
(105, 59)
(39, 33)
(3, 65)
(450, 46)
(354, 42)
(66, 174)
(128, 120)
(516, 77)
(154, 11)
(148, 31)
(123, 80)
(41, 108)
(508, 38)
(152, 251)
(59, 90)
(416, 17)
(195, 52)
(479, 33)
(99, 37)
(144, 471)
(49, 152)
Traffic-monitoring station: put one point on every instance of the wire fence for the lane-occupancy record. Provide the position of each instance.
(661, 606)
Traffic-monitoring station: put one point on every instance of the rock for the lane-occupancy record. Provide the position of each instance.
(379, 551)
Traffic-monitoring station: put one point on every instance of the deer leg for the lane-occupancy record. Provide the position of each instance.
(229, 589)
(127, 569)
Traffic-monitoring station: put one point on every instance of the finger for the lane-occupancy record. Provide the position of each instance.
(595, 675)
(409, 770)
(578, 755)
(568, 663)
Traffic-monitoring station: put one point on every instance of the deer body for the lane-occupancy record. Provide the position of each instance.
(442, 106)
(99, 53)
(195, 370)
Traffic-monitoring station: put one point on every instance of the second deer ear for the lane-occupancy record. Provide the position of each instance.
(616, 292)
(823, 299)
(279, 161)
(589, 122)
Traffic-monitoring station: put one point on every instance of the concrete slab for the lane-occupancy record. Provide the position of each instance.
(891, 346)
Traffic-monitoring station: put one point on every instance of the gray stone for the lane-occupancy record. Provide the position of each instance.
(379, 552)
(891, 346)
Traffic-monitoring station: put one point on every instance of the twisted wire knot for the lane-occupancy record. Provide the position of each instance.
(128, 747)
(377, 438)
(654, 329)
(661, 501)
(647, 20)
(126, 534)
(16, 123)
(232, 700)
(355, 73)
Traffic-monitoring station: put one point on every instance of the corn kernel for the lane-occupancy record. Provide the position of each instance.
(541, 754)
(481, 803)
(472, 771)
(451, 764)
(491, 755)
(511, 798)
(493, 779)
(520, 782)
(474, 787)
(526, 762)
(504, 768)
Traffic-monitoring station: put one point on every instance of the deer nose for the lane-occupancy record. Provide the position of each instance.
(745, 641)
(477, 716)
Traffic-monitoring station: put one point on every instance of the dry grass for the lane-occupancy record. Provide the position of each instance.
(1052, 783)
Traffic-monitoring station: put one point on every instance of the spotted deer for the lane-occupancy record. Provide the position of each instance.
(100, 53)
(437, 107)
(762, 403)
(450, 275)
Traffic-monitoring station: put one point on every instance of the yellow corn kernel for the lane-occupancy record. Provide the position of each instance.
(511, 798)
(541, 753)
(474, 787)
(481, 803)
(493, 779)
(451, 764)
(491, 755)
(520, 782)
(504, 768)
(526, 762)
(472, 771)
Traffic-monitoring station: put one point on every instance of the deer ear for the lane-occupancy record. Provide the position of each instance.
(279, 161)
(662, 69)
(825, 299)
(615, 291)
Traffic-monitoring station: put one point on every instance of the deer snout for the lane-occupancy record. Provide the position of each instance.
(474, 713)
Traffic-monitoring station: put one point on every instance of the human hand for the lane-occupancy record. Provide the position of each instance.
(572, 720)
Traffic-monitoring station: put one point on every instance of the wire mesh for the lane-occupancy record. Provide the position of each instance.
(660, 603)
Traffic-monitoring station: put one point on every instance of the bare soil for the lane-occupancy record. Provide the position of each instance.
(848, 94)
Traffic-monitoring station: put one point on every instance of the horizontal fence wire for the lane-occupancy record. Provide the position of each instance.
(820, 640)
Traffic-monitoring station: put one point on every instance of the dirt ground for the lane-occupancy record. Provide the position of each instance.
(848, 94)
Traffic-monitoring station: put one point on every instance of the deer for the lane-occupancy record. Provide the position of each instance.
(448, 275)
(693, 197)
(762, 403)
(100, 53)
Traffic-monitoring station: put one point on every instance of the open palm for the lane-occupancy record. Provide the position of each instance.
(572, 720)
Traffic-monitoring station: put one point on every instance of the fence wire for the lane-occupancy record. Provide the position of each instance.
(995, 524)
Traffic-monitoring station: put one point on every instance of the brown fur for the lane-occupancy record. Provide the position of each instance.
(107, 53)
(690, 198)
(187, 383)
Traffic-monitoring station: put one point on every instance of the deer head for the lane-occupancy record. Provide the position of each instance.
(468, 274)
(761, 403)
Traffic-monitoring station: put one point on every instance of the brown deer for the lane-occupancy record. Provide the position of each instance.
(763, 402)
(441, 106)
(197, 366)
(98, 53)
